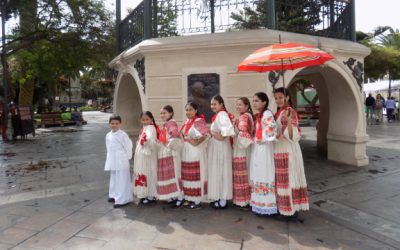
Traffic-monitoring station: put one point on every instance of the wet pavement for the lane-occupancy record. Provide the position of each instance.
(53, 195)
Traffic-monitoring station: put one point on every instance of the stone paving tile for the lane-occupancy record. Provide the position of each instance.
(98, 206)
(45, 240)
(42, 220)
(7, 220)
(206, 244)
(83, 217)
(327, 235)
(4, 246)
(19, 247)
(105, 227)
(132, 238)
(79, 243)
(15, 235)
(374, 206)
(257, 243)
(66, 227)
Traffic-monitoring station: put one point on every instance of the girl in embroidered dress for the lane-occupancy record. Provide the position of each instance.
(194, 157)
(290, 178)
(262, 168)
(220, 155)
(241, 152)
(169, 160)
(145, 161)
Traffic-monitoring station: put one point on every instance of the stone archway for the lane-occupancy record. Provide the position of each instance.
(341, 127)
(128, 102)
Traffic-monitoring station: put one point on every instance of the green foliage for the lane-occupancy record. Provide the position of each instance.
(384, 60)
(59, 38)
(87, 108)
(300, 17)
(381, 62)
(166, 18)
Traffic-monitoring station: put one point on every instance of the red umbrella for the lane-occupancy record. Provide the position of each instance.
(287, 56)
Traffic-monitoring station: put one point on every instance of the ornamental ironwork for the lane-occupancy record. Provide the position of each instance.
(152, 18)
(357, 70)
(140, 68)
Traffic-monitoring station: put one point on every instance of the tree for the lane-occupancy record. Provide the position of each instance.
(56, 38)
(166, 18)
(301, 17)
(384, 60)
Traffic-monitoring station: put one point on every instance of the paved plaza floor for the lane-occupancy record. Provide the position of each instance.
(53, 195)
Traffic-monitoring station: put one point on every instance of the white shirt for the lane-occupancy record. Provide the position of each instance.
(119, 151)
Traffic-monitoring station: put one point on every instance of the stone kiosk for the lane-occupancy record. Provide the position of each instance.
(168, 62)
(173, 70)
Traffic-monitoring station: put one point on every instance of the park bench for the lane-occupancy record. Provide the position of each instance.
(308, 113)
(53, 118)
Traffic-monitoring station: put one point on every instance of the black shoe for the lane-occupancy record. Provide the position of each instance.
(194, 206)
(120, 205)
(111, 200)
(245, 208)
(178, 203)
(146, 201)
(172, 201)
(217, 205)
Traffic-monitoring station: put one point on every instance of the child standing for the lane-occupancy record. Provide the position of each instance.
(145, 161)
(119, 152)
(220, 155)
(241, 152)
(262, 168)
(169, 160)
(290, 177)
(194, 157)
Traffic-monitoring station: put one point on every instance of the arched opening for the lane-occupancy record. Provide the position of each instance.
(340, 130)
(128, 103)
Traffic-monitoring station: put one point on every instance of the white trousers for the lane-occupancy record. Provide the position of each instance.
(120, 186)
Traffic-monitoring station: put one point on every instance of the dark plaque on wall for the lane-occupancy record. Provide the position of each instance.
(201, 88)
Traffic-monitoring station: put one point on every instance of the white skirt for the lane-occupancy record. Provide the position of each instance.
(145, 174)
(262, 179)
(219, 169)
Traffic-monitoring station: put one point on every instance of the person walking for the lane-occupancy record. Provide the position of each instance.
(390, 106)
(370, 103)
(379, 103)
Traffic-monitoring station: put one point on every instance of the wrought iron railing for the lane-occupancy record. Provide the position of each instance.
(152, 18)
(131, 29)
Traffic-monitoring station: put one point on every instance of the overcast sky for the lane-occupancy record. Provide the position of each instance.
(369, 13)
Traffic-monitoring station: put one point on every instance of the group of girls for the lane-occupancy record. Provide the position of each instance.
(254, 160)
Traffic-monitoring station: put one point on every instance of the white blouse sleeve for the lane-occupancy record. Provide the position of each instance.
(127, 145)
(224, 124)
(269, 126)
(150, 144)
(296, 128)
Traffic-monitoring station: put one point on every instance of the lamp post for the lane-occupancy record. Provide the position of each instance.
(5, 73)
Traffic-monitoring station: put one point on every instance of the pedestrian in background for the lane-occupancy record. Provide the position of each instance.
(379, 103)
(390, 106)
(370, 104)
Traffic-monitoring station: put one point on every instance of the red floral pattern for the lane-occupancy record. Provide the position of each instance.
(141, 181)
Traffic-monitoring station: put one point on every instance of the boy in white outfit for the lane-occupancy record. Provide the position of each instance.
(119, 152)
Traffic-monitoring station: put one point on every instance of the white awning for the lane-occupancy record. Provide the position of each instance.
(380, 86)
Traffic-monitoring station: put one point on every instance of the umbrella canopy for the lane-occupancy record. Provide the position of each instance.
(287, 56)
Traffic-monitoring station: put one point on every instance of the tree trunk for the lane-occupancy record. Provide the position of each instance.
(27, 22)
